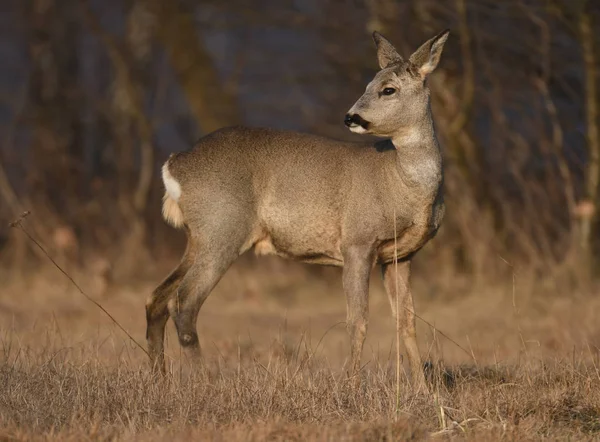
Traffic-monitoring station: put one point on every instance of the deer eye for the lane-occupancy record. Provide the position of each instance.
(388, 91)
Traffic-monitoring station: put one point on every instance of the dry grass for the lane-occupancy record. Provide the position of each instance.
(274, 366)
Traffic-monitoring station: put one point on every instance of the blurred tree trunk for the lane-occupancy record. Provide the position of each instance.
(131, 128)
(589, 210)
(210, 102)
(18, 244)
(140, 26)
(128, 102)
(56, 154)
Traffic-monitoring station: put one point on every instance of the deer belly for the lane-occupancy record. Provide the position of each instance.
(309, 247)
(300, 229)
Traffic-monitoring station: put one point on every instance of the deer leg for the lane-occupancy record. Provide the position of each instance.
(206, 271)
(157, 313)
(396, 280)
(357, 269)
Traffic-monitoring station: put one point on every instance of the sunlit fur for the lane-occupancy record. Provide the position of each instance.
(170, 210)
(312, 199)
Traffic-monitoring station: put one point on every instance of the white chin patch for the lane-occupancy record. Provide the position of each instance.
(358, 129)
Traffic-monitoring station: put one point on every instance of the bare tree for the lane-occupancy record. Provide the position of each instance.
(210, 102)
(590, 209)
(56, 147)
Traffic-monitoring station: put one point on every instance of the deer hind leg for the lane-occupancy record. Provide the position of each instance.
(357, 269)
(397, 285)
(157, 312)
(213, 257)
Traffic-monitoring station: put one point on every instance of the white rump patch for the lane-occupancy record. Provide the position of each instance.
(171, 184)
(171, 210)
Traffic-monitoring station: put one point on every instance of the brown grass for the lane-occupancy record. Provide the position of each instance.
(274, 365)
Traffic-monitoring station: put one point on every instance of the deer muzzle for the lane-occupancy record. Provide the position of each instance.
(354, 120)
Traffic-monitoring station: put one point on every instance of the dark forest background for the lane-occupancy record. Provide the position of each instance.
(95, 94)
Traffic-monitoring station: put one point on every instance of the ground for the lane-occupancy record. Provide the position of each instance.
(521, 362)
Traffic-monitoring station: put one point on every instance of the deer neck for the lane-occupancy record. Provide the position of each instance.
(418, 156)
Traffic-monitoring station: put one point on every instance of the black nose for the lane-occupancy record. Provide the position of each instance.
(348, 120)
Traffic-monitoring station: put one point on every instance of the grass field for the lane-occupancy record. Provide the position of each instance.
(275, 349)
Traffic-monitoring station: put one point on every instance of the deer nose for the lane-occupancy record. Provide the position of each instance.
(351, 119)
(348, 120)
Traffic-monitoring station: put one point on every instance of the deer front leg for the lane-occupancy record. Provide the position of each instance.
(357, 269)
(396, 279)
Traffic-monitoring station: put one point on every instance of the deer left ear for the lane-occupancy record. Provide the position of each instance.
(386, 52)
(427, 57)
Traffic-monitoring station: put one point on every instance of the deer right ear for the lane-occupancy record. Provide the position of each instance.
(427, 57)
(386, 52)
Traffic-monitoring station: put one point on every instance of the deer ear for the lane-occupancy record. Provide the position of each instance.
(427, 57)
(386, 52)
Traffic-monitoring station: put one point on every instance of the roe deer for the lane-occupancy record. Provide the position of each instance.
(312, 199)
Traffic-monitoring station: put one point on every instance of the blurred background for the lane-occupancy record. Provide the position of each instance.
(95, 94)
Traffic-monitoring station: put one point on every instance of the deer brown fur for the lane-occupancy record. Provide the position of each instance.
(312, 199)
